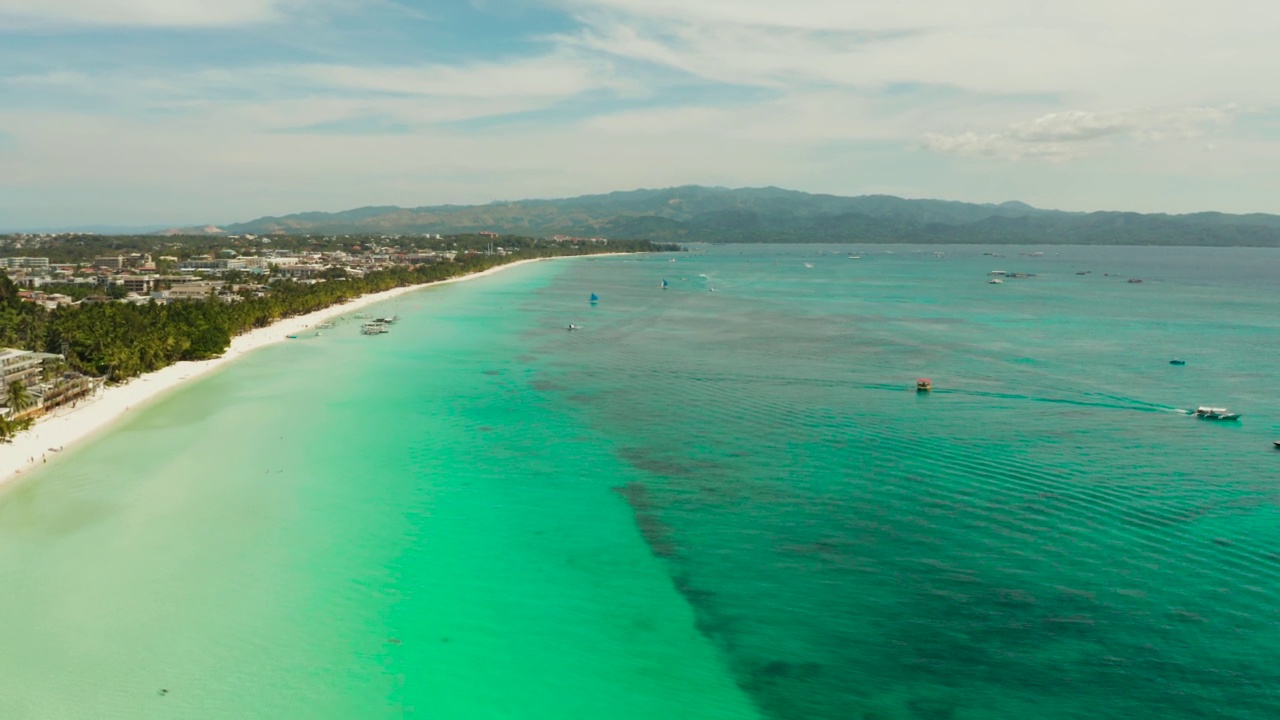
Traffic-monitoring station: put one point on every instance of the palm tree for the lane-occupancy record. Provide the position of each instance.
(19, 397)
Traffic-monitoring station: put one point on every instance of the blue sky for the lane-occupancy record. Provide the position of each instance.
(188, 111)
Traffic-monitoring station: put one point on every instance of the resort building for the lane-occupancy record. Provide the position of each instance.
(28, 369)
(214, 264)
(32, 263)
(192, 291)
(137, 283)
(18, 366)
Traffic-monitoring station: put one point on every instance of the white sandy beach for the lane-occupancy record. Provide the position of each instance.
(61, 430)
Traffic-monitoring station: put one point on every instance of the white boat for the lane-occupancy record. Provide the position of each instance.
(571, 327)
(374, 328)
(995, 281)
(1215, 413)
(808, 265)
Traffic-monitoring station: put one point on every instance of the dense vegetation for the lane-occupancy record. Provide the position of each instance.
(701, 214)
(122, 340)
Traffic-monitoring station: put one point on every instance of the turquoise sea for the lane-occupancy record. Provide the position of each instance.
(727, 504)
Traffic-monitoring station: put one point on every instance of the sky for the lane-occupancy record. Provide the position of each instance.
(155, 112)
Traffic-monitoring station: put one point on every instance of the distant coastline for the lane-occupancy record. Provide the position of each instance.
(62, 430)
(695, 214)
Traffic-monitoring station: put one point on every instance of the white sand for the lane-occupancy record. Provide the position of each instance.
(68, 426)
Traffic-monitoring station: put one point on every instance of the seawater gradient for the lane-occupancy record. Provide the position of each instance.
(727, 504)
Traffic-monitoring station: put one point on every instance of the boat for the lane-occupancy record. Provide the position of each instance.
(1276, 443)
(924, 385)
(998, 273)
(594, 298)
(855, 257)
(325, 326)
(571, 327)
(292, 337)
(665, 285)
(995, 281)
(1135, 280)
(808, 265)
(1215, 413)
(1176, 361)
(374, 328)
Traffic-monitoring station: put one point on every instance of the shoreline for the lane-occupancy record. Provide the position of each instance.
(67, 427)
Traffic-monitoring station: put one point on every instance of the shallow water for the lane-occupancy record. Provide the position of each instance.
(722, 504)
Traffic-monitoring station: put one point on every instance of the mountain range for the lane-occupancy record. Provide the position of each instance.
(714, 214)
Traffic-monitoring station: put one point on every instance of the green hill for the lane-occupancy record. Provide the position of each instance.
(707, 214)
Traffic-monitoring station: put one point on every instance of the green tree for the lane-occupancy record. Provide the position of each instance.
(19, 397)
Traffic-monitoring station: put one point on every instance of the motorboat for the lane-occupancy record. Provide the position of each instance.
(1215, 413)
(924, 385)
(1176, 361)
(995, 281)
(571, 327)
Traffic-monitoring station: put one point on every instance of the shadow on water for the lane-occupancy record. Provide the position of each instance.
(655, 533)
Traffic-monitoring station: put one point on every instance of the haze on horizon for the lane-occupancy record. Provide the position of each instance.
(141, 112)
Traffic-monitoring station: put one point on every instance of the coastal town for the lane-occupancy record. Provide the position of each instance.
(63, 276)
(176, 268)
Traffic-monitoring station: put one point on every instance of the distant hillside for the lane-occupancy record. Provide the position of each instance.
(704, 214)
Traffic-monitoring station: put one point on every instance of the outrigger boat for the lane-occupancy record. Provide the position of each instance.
(1213, 413)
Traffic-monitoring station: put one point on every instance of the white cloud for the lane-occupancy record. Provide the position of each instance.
(1060, 135)
(149, 13)
(291, 96)
(1105, 52)
(545, 77)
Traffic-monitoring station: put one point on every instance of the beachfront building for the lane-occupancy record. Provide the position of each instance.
(67, 389)
(22, 366)
(26, 369)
